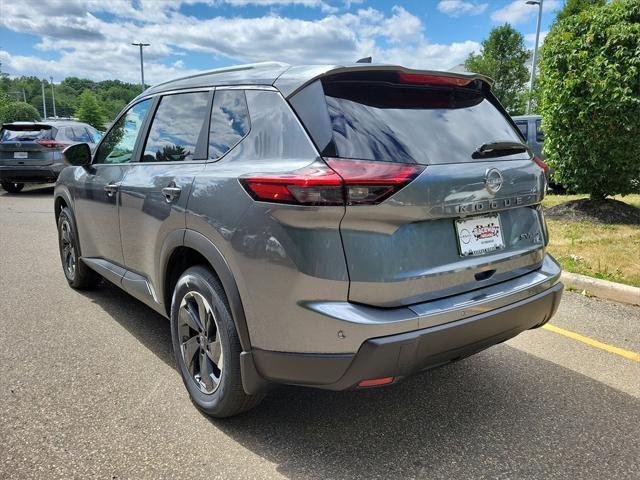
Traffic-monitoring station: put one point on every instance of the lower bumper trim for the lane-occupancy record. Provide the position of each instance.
(407, 353)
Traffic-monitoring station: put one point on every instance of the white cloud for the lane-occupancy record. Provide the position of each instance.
(519, 11)
(88, 46)
(530, 38)
(455, 8)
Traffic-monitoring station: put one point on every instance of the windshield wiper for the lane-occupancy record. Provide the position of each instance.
(499, 149)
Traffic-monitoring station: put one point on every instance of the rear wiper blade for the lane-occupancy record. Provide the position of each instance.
(499, 149)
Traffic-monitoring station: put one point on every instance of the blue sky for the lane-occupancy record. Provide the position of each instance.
(91, 38)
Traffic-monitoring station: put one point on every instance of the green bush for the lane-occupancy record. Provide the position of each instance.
(590, 99)
(17, 111)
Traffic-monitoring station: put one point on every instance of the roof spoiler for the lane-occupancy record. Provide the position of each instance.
(296, 78)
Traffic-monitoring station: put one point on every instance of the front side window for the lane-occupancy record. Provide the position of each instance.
(229, 121)
(119, 143)
(176, 126)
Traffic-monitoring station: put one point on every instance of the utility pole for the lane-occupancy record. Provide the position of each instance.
(139, 44)
(535, 50)
(53, 98)
(44, 103)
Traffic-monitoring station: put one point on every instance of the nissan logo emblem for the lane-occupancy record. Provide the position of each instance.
(493, 180)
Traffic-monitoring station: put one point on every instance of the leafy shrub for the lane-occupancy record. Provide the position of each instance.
(17, 111)
(590, 99)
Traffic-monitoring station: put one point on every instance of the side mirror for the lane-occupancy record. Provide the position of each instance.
(78, 155)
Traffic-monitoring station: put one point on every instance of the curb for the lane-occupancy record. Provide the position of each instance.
(602, 288)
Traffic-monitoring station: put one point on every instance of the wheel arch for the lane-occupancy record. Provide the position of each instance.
(61, 200)
(196, 249)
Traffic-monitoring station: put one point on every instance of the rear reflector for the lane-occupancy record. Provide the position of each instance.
(336, 182)
(541, 164)
(375, 382)
(52, 144)
(437, 80)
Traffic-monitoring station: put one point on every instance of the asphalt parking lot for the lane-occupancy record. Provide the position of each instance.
(88, 388)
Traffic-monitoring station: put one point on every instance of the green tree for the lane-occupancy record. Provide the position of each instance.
(590, 99)
(89, 110)
(502, 58)
(573, 7)
(17, 111)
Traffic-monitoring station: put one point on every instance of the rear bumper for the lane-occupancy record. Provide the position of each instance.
(31, 173)
(445, 340)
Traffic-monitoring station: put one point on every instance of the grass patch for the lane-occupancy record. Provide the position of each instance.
(608, 252)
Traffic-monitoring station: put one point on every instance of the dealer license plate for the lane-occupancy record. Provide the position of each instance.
(478, 235)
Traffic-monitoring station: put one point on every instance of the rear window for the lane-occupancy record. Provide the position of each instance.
(25, 133)
(378, 119)
(412, 123)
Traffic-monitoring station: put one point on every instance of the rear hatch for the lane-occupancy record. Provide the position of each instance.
(465, 215)
(28, 144)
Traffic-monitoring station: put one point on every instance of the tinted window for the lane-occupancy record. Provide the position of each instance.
(25, 133)
(412, 124)
(229, 121)
(524, 129)
(78, 134)
(176, 126)
(119, 143)
(539, 132)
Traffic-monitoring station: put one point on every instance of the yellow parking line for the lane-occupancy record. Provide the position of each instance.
(594, 343)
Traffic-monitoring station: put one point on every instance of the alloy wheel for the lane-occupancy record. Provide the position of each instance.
(68, 250)
(200, 342)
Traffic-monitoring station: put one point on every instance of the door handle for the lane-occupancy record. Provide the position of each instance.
(111, 188)
(171, 192)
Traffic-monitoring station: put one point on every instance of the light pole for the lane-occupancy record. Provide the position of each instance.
(139, 44)
(53, 99)
(44, 103)
(535, 50)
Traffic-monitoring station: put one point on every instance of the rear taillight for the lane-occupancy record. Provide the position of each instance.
(336, 182)
(372, 182)
(437, 80)
(52, 144)
(542, 165)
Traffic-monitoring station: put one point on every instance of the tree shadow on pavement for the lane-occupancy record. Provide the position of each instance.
(501, 413)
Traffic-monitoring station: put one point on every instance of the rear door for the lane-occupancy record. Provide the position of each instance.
(468, 220)
(156, 188)
(96, 197)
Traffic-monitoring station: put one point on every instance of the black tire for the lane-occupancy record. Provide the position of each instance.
(12, 187)
(218, 395)
(78, 275)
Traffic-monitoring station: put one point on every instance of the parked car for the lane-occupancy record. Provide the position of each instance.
(339, 227)
(31, 152)
(531, 128)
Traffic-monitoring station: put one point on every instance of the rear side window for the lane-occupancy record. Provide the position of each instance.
(412, 124)
(118, 144)
(229, 121)
(524, 128)
(176, 126)
(539, 132)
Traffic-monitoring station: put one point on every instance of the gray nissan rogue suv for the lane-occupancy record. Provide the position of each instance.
(330, 226)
